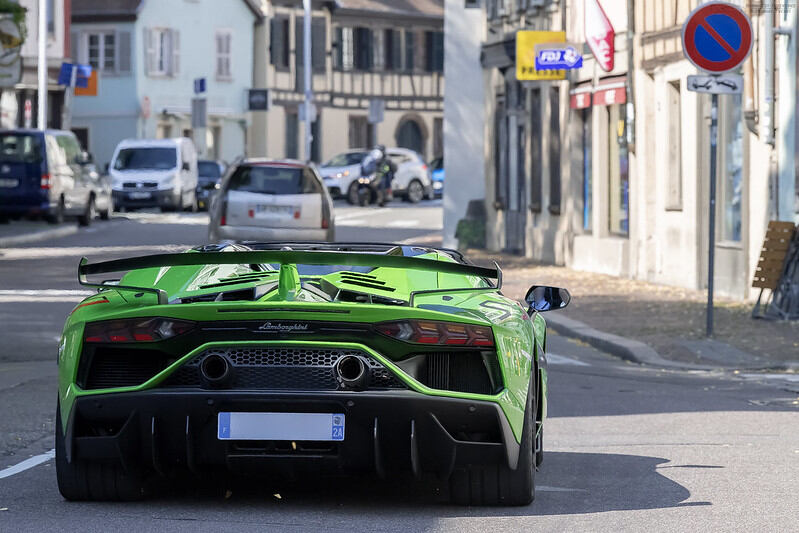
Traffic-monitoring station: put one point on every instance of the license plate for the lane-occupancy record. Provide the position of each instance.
(8, 182)
(139, 195)
(275, 209)
(281, 426)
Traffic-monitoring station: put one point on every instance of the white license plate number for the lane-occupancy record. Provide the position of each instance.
(281, 426)
(139, 195)
(275, 209)
(8, 182)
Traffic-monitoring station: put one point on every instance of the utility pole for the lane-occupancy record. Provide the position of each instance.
(41, 116)
(307, 77)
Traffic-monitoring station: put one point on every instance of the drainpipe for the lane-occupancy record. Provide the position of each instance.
(767, 126)
(750, 110)
(630, 74)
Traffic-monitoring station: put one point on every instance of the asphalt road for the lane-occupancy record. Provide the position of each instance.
(627, 447)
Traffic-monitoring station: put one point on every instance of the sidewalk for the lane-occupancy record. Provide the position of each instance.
(25, 231)
(669, 320)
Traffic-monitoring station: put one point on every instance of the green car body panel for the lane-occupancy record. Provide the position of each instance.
(519, 339)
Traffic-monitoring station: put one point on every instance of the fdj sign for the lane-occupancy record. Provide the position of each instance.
(526, 44)
(554, 57)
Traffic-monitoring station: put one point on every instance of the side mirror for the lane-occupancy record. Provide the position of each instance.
(186, 166)
(543, 298)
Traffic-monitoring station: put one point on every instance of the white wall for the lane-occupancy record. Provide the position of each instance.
(465, 113)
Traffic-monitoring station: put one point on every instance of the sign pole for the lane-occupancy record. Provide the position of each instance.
(711, 252)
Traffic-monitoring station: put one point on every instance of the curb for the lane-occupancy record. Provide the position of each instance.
(39, 236)
(638, 352)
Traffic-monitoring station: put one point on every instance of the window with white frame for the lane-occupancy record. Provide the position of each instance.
(100, 50)
(162, 51)
(223, 54)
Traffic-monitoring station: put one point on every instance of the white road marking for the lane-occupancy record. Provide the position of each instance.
(403, 224)
(794, 378)
(45, 292)
(36, 460)
(77, 251)
(555, 359)
(546, 488)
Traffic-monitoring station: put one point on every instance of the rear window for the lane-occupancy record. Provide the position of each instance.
(273, 180)
(208, 169)
(146, 159)
(20, 148)
(346, 160)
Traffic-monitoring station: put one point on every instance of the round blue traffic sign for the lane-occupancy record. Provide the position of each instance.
(717, 37)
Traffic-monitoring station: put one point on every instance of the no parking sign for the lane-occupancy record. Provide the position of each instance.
(717, 37)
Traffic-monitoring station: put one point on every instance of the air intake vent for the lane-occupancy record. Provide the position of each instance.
(112, 367)
(461, 372)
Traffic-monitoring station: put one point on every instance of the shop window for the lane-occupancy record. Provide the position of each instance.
(731, 170)
(674, 151)
(554, 150)
(618, 171)
(536, 150)
(588, 187)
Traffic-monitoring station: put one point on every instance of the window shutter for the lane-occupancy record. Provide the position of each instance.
(74, 46)
(396, 49)
(319, 44)
(149, 52)
(428, 48)
(123, 52)
(339, 63)
(174, 41)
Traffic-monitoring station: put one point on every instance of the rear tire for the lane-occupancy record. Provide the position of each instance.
(86, 481)
(57, 217)
(86, 218)
(105, 215)
(498, 484)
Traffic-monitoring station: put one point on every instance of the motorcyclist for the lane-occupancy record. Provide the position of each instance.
(378, 162)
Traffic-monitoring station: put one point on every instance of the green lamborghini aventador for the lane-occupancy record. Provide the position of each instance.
(333, 358)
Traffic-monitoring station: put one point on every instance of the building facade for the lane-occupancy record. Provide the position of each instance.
(366, 54)
(608, 171)
(148, 55)
(19, 104)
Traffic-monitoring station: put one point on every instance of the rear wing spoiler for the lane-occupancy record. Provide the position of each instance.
(282, 257)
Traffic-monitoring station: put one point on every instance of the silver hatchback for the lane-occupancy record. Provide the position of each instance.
(272, 200)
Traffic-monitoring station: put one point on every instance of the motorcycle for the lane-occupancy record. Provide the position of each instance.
(374, 187)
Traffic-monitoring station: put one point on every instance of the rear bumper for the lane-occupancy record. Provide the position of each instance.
(25, 205)
(163, 198)
(172, 431)
(254, 233)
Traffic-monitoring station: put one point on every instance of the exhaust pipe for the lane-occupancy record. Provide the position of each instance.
(351, 372)
(215, 370)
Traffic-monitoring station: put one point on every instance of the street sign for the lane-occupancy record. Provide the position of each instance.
(199, 85)
(557, 56)
(716, 84)
(259, 100)
(717, 37)
(91, 85)
(526, 42)
(599, 34)
(199, 117)
(377, 110)
(82, 75)
(10, 54)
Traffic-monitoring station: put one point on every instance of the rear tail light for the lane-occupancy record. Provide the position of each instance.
(45, 182)
(325, 214)
(431, 332)
(223, 216)
(136, 330)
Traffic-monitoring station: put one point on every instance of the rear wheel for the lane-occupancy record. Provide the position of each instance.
(57, 217)
(83, 480)
(88, 215)
(105, 215)
(498, 484)
(415, 192)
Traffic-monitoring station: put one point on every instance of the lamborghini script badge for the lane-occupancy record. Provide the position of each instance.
(268, 326)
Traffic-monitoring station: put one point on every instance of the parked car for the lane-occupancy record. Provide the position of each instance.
(272, 200)
(155, 173)
(412, 181)
(209, 175)
(45, 173)
(437, 166)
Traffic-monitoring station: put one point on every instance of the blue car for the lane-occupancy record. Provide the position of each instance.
(46, 174)
(437, 166)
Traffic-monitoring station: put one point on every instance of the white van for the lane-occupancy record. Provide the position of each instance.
(154, 173)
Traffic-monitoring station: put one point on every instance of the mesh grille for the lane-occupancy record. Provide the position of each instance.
(283, 368)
